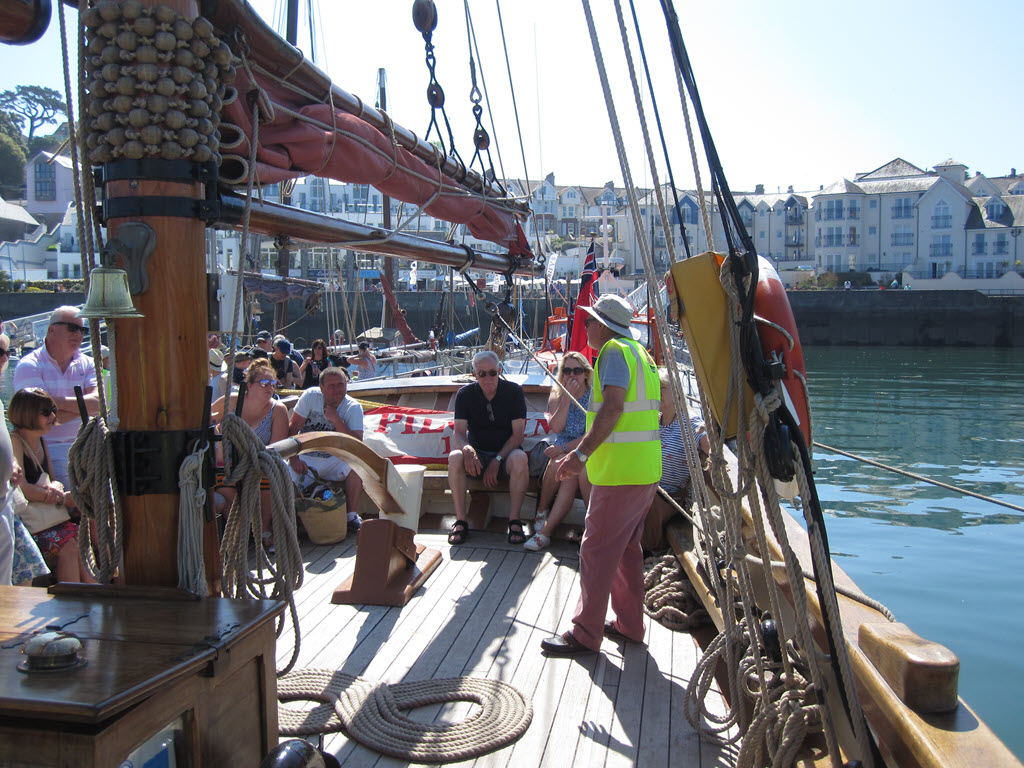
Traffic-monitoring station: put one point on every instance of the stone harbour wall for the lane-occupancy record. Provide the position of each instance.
(824, 318)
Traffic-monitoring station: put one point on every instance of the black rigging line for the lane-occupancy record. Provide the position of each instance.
(661, 131)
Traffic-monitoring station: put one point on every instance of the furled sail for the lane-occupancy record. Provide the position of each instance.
(309, 126)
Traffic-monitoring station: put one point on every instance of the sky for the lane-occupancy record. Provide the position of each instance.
(802, 93)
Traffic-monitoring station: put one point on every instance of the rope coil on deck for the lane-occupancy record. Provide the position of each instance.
(669, 597)
(372, 713)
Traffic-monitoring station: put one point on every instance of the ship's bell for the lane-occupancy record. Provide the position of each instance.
(109, 295)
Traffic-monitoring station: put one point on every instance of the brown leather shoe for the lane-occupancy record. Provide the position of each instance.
(564, 644)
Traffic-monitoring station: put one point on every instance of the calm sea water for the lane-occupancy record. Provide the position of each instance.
(947, 565)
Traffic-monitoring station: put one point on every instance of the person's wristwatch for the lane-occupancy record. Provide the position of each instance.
(500, 458)
(581, 456)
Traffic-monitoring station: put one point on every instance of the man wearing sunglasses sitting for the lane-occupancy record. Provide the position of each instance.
(490, 423)
(58, 367)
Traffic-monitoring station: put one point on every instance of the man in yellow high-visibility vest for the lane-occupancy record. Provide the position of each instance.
(622, 456)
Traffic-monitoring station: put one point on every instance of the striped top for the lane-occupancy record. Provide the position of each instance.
(675, 472)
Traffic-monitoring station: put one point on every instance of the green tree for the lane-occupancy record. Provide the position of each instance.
(37, 104)
(10, 125)
(12, 166)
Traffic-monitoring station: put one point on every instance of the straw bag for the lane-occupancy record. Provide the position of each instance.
(325, 520)
(38, 516)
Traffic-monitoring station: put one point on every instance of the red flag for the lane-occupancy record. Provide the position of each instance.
(578, 342)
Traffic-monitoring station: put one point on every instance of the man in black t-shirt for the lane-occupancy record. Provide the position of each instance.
(490, 423)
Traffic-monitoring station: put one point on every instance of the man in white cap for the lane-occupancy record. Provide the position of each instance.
(622, 455)
(57, 368)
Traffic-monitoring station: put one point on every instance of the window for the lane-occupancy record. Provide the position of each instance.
(872, 204)
(902, 234)
(979, 244)
(833, 210)
(995, 210)
(45, 189)
(903, 208)
(872, 231)
(941, 246)
(1000, 245)
(941, 217)
(833, 236)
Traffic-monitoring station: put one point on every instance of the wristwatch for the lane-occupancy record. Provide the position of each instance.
(581, 456)
(500, 458)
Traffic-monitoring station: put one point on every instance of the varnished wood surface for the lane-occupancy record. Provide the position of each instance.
(134, 647)
(484, 612)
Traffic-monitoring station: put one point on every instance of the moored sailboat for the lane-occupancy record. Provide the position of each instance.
(161, 409)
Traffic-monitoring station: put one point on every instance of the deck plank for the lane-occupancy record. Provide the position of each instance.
(483, 613)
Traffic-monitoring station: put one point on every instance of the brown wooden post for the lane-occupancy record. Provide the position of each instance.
(162, 362)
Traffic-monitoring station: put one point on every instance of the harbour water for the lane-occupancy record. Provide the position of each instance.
(945, 564)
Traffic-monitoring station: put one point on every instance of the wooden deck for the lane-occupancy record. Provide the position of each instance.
(483, 613)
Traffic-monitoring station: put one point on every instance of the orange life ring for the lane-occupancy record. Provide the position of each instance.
(776, 330)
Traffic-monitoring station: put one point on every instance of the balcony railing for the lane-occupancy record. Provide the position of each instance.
(834, 240)
(942, 222)
(794, 242)
(979, 249)
(833, 215)
(1000, 249)
(903, 239)
(940, 249)
(902, 213)
(853, 213)
(794, 218)
(853, 239)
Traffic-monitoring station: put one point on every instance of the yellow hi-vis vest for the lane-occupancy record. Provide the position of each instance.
(631, 455)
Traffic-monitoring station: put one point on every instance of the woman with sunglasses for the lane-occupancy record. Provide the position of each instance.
(314, 365)
(33, 413)
(269, 420)
(568, 422)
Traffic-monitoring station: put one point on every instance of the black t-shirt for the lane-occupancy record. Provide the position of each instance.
(485, 434)
(282, 367)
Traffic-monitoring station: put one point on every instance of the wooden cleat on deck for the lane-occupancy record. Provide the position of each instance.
(923, 674)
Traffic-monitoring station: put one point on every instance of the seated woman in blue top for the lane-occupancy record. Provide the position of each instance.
(568, 423)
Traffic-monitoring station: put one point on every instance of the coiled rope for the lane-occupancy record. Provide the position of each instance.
(247, 461)
(191, 507)
(92, 472)
(669, 598)
(372, 714)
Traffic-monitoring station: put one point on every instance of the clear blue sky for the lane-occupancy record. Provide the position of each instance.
(801, 93)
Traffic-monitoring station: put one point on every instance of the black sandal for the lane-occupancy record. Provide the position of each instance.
(516, 534)
(458, 533)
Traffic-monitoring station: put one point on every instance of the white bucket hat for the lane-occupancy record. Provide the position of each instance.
(615, 314)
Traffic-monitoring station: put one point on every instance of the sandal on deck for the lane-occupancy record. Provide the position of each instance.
(516, 534)
(459, 532)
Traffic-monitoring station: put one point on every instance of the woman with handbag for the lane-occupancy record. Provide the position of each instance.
(42, 503)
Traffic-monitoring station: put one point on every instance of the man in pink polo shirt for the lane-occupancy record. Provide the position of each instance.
(58, 367)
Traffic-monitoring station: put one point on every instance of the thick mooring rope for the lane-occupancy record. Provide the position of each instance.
(372, 714)
(669, 598)
(246, 462)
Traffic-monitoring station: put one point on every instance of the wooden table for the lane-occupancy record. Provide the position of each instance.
(154, 657)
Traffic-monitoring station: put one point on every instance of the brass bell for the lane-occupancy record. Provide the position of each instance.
(109, 296)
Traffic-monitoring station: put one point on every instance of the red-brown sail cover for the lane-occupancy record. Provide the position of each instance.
(358, 153)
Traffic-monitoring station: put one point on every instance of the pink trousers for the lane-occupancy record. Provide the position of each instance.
(612, 563)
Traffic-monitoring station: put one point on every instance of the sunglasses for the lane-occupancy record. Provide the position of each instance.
(485, 374)
(73, 327)
(4, 352)
(574, 371)
(48, 412)
(267, 382)
(490, 413)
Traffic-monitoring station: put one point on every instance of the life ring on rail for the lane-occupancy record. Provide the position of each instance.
(780, 341)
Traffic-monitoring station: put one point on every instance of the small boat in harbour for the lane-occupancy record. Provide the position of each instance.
(804, 652)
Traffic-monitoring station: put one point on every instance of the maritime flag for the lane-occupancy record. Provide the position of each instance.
(588, 282)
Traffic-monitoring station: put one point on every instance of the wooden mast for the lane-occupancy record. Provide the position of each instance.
(163, 363)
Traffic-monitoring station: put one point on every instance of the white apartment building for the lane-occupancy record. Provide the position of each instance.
(920, 227)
